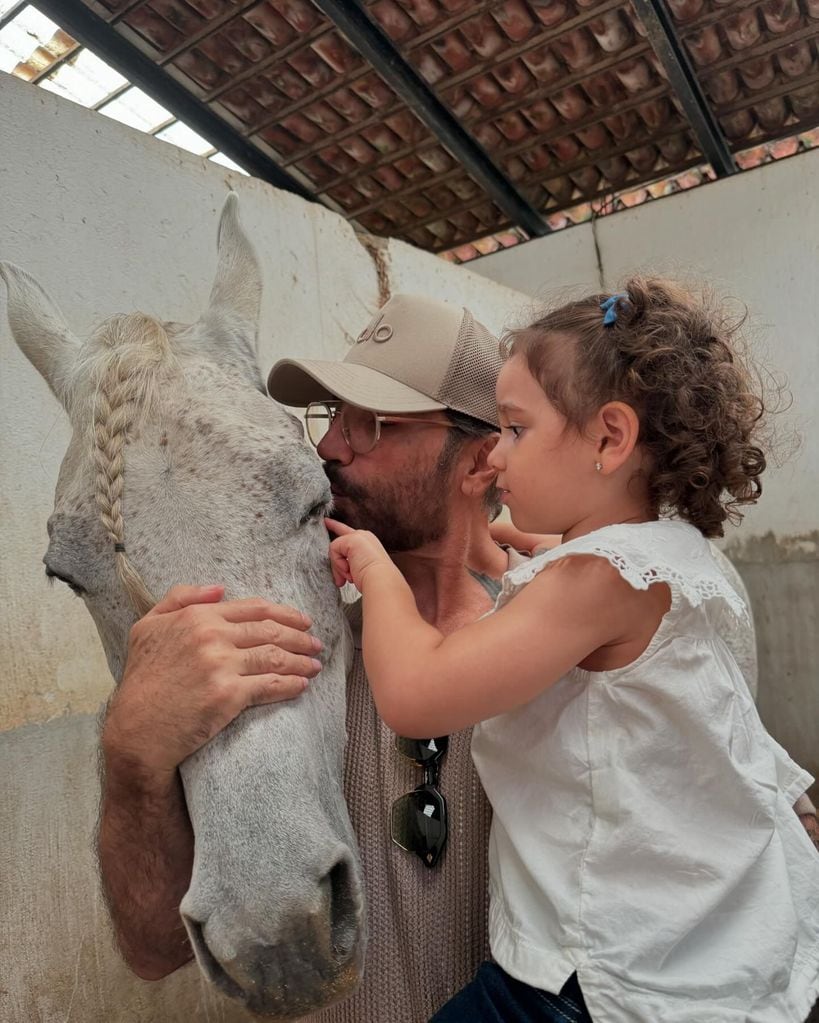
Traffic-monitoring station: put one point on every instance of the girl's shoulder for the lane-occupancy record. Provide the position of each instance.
(644, 553)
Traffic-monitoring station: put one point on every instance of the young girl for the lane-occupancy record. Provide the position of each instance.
(646, 865)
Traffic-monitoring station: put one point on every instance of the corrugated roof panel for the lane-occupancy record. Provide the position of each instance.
(87, 80)
(31, 43)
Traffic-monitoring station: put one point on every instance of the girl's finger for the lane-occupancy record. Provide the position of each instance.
(336, 566)
(339, 528)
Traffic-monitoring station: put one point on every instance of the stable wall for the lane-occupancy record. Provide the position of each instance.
(110, 220)
(755, 237)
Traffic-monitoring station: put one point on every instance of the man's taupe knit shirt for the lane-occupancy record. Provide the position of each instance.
(427, 927)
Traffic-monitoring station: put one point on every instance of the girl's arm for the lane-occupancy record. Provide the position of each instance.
(426, 684)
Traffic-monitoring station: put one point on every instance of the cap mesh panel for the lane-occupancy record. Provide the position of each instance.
(469, 384)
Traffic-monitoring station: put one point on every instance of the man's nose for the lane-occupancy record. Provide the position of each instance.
(333, 447)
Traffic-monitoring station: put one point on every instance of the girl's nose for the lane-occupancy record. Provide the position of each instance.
(333, 447)
(496, 458)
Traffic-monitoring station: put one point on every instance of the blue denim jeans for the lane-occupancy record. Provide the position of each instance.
(495, 997)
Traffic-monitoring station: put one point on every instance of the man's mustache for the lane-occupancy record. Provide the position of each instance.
(333, 472)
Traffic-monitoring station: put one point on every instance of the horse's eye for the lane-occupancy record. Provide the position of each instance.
(75, 588)
(318, 510)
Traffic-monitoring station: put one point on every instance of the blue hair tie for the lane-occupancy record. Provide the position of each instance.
(609, 308)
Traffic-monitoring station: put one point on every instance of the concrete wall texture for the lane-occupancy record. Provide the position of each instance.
(112, 221)
(756, 239)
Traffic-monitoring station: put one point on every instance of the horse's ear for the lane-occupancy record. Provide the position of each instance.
(39, 328)
(231, 320)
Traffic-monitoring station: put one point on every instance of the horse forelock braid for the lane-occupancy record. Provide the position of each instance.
(120, 397)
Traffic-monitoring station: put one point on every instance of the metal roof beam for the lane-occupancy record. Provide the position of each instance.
(376, 47)
(671, 53)
(99, 37)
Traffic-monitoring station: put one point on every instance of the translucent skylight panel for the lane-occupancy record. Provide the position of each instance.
(86, 80)
(181, 135)
(22, 36)
(6, 6)
(226, 161)
(137, 110)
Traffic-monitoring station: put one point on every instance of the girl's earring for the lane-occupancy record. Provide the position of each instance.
(598, 466)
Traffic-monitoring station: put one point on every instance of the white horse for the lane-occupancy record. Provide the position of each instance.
(180, 469)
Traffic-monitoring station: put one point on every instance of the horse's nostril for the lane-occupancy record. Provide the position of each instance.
(345, 909)
(207, 962)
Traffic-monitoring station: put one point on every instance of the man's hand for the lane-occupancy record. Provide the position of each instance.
(811, 825)
(194, 663)
(355, 553)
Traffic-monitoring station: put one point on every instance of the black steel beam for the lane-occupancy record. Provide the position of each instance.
(377, 48)
(101, 38)
(671, 53)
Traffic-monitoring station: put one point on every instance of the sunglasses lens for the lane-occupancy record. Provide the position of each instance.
(422, 751)
(419, 825)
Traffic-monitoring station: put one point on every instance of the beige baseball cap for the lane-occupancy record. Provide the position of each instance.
(415, 355)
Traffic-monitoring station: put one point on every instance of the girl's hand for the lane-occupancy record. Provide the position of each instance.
(353, 554)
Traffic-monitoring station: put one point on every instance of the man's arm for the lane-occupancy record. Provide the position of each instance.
(145, 848)
(194, 663)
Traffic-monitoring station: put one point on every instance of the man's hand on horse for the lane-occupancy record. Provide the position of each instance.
(195, 662)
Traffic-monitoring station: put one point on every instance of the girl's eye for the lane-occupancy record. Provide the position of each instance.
(516, 431)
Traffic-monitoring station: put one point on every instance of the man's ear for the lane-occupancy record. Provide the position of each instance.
(616, 431)
(479, 475)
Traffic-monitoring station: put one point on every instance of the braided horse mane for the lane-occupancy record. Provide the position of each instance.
(122, 363)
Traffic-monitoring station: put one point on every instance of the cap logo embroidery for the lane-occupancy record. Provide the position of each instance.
(375, 331)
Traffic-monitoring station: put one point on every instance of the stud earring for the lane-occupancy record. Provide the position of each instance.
(598, 466)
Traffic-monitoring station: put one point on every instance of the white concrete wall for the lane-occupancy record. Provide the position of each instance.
(755, 238)
(110, 221)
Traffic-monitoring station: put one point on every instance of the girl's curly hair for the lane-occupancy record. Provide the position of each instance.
(679, 360)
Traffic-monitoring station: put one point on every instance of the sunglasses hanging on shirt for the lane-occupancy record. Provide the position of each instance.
(418, 820)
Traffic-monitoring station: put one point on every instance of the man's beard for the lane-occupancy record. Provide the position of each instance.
(405, 514)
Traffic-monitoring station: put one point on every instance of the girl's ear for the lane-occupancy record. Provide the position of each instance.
(480, 475)
(617, 432)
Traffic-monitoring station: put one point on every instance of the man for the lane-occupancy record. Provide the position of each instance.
(417, 475)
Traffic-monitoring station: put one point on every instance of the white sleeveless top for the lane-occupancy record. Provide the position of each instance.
(643, 831)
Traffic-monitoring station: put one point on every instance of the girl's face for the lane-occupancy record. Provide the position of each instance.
(546, 468)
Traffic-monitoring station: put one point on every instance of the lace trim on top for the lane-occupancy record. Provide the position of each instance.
(645, 553)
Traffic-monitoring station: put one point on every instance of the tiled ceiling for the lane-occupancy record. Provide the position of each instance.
(565, 101)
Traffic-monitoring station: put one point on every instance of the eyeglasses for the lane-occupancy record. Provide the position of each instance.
(418, 822)
(360, 427)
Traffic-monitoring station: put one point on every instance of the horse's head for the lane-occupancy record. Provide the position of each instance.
(180, 469)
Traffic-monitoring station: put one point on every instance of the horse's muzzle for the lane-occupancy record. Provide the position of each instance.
(314, 959)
